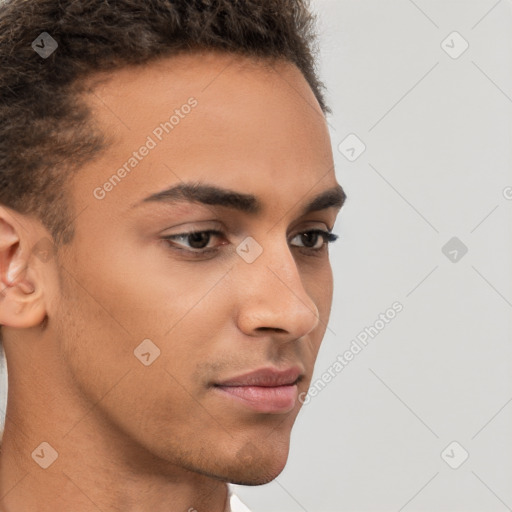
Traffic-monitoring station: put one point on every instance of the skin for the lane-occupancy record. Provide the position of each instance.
(132, 437)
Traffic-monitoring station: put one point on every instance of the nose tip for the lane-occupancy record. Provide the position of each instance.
(279, 304)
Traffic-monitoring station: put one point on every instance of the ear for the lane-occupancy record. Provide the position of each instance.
(21, 292)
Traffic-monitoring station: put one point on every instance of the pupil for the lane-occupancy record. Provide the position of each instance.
(199, 240)
(308, 237)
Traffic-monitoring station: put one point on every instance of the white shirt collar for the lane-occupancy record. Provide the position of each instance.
(234, 504)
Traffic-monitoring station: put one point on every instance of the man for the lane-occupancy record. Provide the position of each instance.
(166, 202)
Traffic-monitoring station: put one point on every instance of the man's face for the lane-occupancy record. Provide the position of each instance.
(210, 312)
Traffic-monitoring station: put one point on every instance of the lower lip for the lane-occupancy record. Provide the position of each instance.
(279, 399)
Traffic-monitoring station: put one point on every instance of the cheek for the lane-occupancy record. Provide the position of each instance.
(94, 346)
(145, 291)
(107, 310)
(100, 328)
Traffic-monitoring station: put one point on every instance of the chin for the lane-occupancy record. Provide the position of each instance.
(260, 465)
(255, 475)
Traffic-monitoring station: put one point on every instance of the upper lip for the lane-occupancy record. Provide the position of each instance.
(265, 377)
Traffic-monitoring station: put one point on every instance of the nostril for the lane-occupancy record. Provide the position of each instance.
(276, 329)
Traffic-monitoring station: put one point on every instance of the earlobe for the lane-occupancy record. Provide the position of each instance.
(20, 309)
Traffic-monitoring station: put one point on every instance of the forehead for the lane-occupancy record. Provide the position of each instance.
(240, 122)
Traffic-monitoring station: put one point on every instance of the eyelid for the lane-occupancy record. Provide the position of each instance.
(326, 234)
(196, 227)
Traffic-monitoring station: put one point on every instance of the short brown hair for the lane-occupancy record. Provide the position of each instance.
(46, 133)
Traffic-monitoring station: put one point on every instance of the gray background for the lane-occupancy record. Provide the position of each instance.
(438, 157)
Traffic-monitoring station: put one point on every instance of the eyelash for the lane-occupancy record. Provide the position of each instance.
(328, 237)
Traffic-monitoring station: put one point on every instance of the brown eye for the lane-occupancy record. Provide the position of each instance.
(310, 239)
(196, 240)
(199, 240)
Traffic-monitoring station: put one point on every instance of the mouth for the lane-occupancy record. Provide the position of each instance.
(267, 390)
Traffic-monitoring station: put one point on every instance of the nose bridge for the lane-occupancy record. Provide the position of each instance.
(286, 277)
(274, 293)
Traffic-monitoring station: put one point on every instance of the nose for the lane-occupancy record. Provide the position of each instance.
(271, 296)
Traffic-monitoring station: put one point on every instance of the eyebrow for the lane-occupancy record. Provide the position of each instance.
(247, 203)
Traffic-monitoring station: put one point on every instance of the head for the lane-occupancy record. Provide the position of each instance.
(149, 121)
